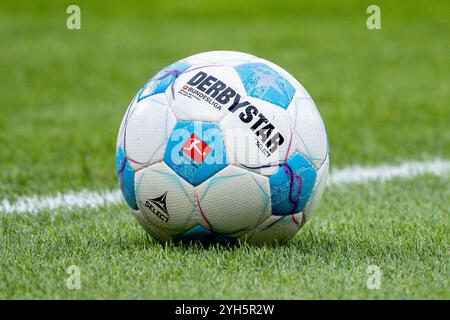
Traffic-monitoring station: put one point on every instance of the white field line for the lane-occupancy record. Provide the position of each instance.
(68, 200)
(96, 199)
(407, 169)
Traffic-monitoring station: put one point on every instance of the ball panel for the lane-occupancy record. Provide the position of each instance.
(160, 82)
(165, 199)
(205, 92)
(319, 188)
(309, 130)
(275, 230)
(291, 185)
(125, 175)
(196, 151)
(257, 136)
(300, 90)
(224, 200)
(147, 132)
(203, 234)
(263, 82)
(121, 135)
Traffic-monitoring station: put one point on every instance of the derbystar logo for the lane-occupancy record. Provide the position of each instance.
(218, 94)
(196, 148)
(158, 207)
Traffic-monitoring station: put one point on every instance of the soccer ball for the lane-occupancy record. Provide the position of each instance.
(222, 146)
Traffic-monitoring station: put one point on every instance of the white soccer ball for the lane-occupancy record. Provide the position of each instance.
(222, 146)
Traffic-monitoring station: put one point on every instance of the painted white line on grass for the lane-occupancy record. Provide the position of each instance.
(68, 200)
(96, 199)
(407, 169)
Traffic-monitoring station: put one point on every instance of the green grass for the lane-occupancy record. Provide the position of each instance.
(383, 95)
(404, 233)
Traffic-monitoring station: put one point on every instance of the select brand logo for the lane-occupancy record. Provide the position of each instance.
(218, 94)
(158, 207)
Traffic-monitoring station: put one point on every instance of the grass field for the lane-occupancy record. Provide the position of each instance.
(382, 93)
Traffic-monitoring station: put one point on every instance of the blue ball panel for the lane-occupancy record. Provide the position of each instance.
(291, 185)
(126, 179)
(262, 82)
(196, 151)
(203, 234)
(162, 80)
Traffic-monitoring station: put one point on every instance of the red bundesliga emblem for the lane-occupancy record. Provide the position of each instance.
(185, 87)
(196, 148)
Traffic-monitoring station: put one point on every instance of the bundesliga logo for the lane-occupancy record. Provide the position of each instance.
(196, 148)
